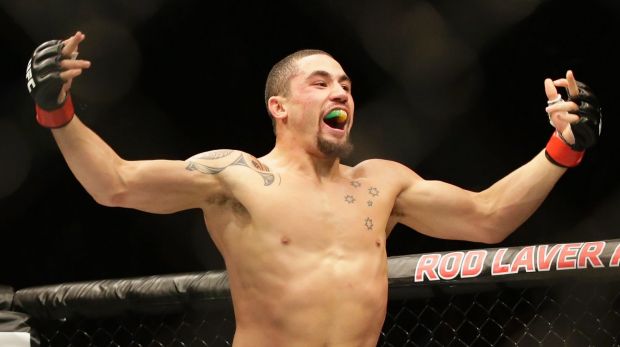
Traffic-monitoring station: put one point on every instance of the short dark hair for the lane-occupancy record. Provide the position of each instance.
(281, 73)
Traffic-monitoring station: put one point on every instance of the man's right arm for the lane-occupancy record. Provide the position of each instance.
(158, 186)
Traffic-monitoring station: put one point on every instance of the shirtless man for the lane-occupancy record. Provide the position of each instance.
(317, 275)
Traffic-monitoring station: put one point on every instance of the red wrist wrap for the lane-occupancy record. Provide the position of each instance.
(58, 117)
(559, 152)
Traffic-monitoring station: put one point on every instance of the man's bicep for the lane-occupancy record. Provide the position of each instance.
(167, 186)
(437, 209)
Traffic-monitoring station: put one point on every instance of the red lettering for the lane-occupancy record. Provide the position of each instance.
(524, 259)
(615, 258)
(450, 265)
(498, 268)
(545, 259)
(566, 260)
(473, 263)
(427, 265)
(590, 253)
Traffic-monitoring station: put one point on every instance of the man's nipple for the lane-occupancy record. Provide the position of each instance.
(285, 240)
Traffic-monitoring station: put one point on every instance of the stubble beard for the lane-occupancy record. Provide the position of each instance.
(334, 149)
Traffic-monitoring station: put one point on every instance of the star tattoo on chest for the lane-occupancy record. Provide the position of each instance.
(373, 191)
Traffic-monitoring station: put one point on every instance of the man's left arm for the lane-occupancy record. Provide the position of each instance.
(442, 210)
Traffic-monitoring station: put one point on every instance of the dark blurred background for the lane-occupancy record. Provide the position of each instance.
(452, 89)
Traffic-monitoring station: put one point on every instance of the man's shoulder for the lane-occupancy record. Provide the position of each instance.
(215, 154)
(227, 155)
(391, 173)
(220, 159)
(377, 164)
(217, 163)
(373, 167)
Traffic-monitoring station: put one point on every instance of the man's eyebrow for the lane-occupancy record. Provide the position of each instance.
(343, 78)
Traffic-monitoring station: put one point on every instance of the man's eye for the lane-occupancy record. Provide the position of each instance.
(346, 87)
(320, 83)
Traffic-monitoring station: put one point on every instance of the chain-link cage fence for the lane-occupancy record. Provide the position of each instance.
(574, 309)
(185, 329)
(564, 314)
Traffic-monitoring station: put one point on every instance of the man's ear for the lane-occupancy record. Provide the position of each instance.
(277, 108)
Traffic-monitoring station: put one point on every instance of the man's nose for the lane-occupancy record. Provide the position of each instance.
(339, 93)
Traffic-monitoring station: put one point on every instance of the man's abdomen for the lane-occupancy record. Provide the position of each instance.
(315, 299)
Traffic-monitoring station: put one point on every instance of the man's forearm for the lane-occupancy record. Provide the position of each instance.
(515, 197)
(92, 161)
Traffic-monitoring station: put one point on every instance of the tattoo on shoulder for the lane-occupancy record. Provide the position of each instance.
(256, 166)
(216, 154)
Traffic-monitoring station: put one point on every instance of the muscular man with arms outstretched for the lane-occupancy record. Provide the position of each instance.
(317, 275)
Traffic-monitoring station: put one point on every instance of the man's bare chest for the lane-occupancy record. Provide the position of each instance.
(357, 205)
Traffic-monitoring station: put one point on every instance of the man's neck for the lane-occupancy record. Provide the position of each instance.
(308, 162)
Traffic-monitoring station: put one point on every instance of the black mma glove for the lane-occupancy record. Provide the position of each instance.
(586, 130)
(44, 85)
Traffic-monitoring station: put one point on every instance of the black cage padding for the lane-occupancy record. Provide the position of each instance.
(412, 276)
(542, 295)
(153, 295)
(6, 297)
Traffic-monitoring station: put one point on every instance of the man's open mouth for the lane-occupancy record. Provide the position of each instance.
(336, 119)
